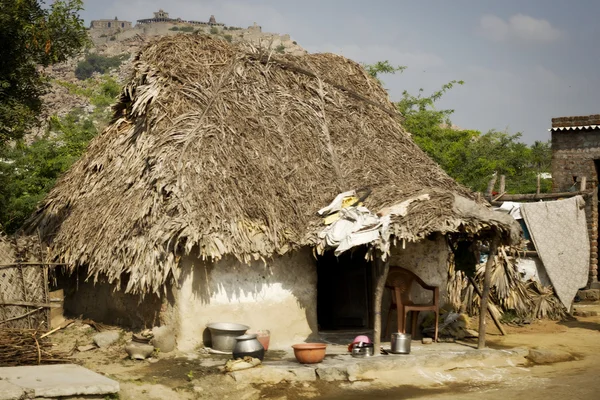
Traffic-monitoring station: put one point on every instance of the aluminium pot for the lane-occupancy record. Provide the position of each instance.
(366, 350)
(400, 343)
(248, 346)
(223, 335)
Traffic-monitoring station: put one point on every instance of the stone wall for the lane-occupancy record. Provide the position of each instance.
(574, 155)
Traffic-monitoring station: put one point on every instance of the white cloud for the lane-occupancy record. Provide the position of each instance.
(518, 27)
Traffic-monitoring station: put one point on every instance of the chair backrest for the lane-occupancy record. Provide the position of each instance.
(401, 278)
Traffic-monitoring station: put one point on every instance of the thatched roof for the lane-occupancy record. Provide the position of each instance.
(226, 150)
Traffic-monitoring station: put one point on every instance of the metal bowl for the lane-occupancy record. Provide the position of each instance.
(223, 335)
(364, 351)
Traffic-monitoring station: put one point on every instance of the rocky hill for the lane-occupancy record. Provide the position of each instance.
(69, 93)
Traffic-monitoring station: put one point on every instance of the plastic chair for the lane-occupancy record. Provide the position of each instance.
(400, 280)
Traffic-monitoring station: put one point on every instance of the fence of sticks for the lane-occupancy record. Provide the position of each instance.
(25, 302)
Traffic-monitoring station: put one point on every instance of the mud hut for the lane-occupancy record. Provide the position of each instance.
(201, 197)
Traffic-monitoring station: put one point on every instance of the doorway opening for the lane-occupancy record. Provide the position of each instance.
(344, 291)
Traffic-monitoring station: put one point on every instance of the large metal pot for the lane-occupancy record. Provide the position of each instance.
(248, 346)
(400, 343)
(223, 335)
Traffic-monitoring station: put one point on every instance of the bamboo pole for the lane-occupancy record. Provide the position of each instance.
(382, 268)
(486, 290)
(502, 188)
(539, 184)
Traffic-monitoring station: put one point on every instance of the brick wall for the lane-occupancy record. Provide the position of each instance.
(576, 121)
(573, 157)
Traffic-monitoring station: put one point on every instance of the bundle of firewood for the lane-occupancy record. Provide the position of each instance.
(27, 347)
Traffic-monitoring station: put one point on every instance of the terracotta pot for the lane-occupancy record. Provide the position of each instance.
(309, 353)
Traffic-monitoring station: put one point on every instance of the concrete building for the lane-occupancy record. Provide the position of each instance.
(110, 24)
(575, 156)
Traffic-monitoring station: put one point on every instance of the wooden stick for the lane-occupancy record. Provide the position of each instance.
(497, 197)
(541, 196)
(486, 291)
(539, 184)
(51, 332)
(22, 316)
(502, 188)
(31, 303)
(382, 269)
(583, 183)
(489, 307)
(32, 264)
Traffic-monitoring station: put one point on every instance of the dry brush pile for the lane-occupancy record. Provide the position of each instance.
(509, 293)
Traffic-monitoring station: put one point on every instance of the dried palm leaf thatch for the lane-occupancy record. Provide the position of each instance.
(545, 302)
(507, 290)
(223, 149)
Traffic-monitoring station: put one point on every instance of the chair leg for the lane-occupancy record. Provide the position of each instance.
(415, 318)
(437, 320)
(405, 322)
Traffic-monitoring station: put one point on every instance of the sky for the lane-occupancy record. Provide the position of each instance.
(523, 62)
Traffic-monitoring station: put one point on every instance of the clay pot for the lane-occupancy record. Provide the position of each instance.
(139, 351)
(309, 353)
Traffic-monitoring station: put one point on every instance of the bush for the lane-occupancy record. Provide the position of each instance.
(174, 28)
(280, 49)
(187, 29)
(214, 30)
(229, 38)
(96, 63)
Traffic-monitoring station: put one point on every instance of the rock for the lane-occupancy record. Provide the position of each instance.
(105, 339)
(544, 356)
(8, 391)
(138, 351)
(589, 294)
(585, 313)
(86, 348)
(427, 340)
(332, 373)
(164, 339)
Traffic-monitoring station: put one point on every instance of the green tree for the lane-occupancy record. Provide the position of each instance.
(468, 156)
(28, 172)
(32, 35)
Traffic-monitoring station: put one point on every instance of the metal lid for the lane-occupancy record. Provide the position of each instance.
(247, 336)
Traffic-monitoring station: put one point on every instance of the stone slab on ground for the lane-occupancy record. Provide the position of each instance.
(340, 366)
(8, 391)
(58, 380)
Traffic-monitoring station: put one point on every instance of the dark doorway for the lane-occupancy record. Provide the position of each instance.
(344, 291)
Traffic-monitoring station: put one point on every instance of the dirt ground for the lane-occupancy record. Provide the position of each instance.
(192, 376)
